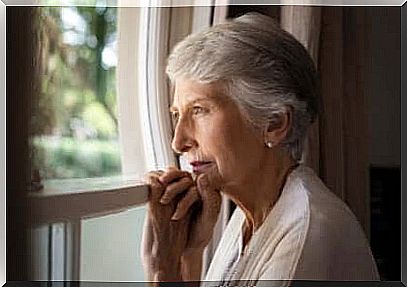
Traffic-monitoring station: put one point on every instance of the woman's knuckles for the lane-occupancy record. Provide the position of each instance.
(171, 174)
(179, 185)
(174, 189)
(184, 205)
(156, 192)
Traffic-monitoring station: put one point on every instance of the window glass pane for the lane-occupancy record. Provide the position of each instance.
(110, 247)
(39, 252)
(75, 132)
(75, 128)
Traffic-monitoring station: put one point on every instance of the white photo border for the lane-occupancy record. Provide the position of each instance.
(171, 3)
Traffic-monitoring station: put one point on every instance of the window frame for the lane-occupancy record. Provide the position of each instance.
(96, 197)
(64, 207)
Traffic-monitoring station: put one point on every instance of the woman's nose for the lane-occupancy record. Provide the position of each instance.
(183, 140)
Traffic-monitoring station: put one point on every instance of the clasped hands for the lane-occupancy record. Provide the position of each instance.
(182, 213)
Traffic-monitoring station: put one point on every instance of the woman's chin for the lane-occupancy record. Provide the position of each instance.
(204, 168)
(214, 177)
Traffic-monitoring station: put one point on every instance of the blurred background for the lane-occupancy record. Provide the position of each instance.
(75, 126)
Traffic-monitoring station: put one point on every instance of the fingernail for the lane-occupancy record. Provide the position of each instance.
(164, 200)
(175, 217)
(203, 182)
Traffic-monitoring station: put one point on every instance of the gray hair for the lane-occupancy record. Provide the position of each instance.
(263, 68)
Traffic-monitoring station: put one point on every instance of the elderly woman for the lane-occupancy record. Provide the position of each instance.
(245, 92)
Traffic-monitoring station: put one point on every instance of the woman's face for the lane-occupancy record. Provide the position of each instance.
(213, 134)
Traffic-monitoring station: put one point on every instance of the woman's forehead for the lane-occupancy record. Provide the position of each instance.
(187, 91)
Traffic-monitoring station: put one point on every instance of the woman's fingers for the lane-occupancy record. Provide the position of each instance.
(156, 187)
(155, 173)
(166, 186)
(172, 174)
(185, 204)
(202, 229)
(211, 197)
(175, 181)
(175, 188)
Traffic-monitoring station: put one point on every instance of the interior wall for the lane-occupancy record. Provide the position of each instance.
(382, 86)
(383, 79)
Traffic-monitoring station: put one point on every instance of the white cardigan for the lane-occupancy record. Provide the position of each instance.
(309, 234)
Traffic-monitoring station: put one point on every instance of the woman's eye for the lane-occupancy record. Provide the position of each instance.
(198, 110)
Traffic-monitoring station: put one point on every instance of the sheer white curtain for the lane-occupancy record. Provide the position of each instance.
(304, 23)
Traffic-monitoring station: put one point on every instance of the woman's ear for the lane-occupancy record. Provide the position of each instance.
(278, 128)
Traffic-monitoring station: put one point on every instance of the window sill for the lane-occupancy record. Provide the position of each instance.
(76, 199)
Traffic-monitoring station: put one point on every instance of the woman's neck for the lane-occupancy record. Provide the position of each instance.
(257, 195)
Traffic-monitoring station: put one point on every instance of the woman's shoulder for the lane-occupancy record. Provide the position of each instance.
(321, 202)
(335, 241)
(326, 211)
(306, 202)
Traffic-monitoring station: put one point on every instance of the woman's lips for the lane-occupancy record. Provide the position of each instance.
(200, 166)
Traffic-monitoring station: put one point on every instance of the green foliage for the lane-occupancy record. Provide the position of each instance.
(75, 118)
(74, 70)
(96, 115)
(70, 158)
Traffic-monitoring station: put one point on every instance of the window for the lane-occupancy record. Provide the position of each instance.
(75, 126)
(76, 136)
(88, 218)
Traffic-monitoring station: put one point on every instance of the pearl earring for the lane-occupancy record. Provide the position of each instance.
(269, 144)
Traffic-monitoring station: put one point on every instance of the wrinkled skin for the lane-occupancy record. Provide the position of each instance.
(227, 154)
(180, 220)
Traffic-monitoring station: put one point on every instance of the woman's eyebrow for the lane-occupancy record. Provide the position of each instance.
(193, 102)
(206, 99)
